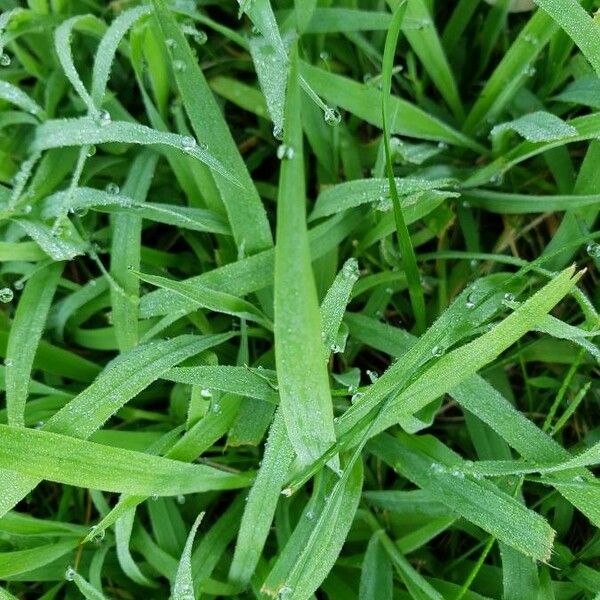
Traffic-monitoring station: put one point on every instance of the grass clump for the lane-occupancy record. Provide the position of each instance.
(299, 300)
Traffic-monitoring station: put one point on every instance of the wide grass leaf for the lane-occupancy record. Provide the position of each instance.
(301, 368)
(72, 461)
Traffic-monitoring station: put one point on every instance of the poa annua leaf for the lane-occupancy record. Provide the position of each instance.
(301, 367)
(244, 208)
(116, 386)
(25, 334)
(262, 501)
(87, 131)
(183, 586)
(108, 47)
(72, 461)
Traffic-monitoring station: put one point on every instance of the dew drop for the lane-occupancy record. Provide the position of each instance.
(324, 55)
(458, 474)
(437, 351)
(206, 393)
(70, 574)
(112, 188)
(372, 375)
(310, 515)
(91, 150)
(278, 133)
(179, 66)
(216, 409)
(437, 468)
(5, 60)
(509, 297)
(470, 303)
(578, 479)
(356, 397)
(188, 142)
(593, 250)
(332, 116)
(6, 295)
(97, 535)
(19, 284)
(284, 592)
(181, 499)
(466, 204)
(103, 119)
(285, 152)
(200, 37)
(170, 42)
(27, 209)
(8, 362)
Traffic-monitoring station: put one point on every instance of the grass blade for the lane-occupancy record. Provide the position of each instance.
(25, 334)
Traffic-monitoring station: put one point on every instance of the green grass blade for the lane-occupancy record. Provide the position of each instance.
(261, 503)
(578, 24)
(408, 254)
(183, 586)
(244, 208)
(72, 461)
(305, 401)
(25, 333)
(126, 246)
(86, 131)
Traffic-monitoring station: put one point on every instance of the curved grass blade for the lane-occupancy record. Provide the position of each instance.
(108, 47)
(11, 93)
(25, 334)
(413, 277)
(301, 368)
(62, 44)
(86, 131)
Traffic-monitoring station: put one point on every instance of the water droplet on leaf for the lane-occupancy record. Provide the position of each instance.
(6, 295)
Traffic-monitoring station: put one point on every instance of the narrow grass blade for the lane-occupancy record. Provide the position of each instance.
(183, 586)
(307, 559)
(408, 254)
(211, 299)
(365, 102)
(261, 503)
(334, 304)
(376, 573)
(25, 334)
(305, 401)
(20, 561)
(244, 208)
(108, 47)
